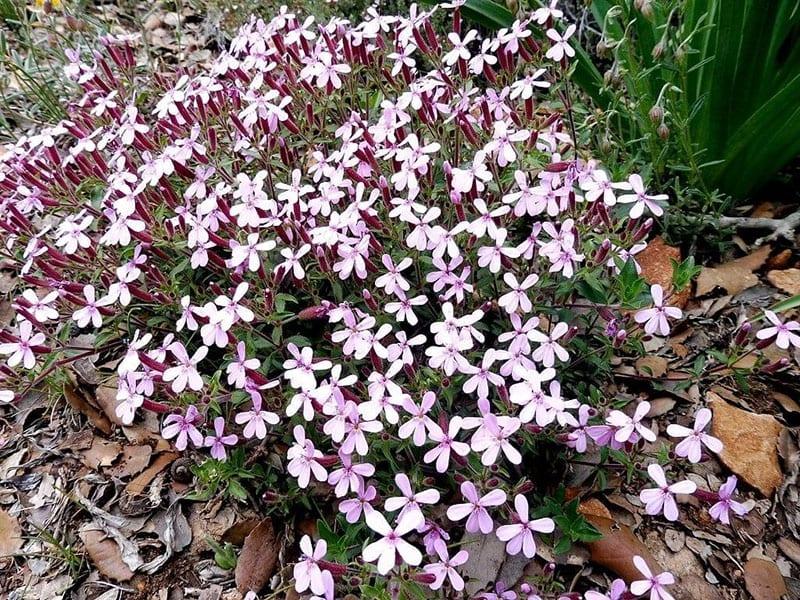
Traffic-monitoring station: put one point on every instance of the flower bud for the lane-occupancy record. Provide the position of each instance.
(775, 366)
(743, 333)
(656, 114)
(663, 131)
(658, 50)
(312, 312)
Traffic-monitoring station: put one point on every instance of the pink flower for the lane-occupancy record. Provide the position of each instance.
(304, 459)
(392, 545)
(549, 349)
(409, 502)
(784, 333)
(655, 319)
(519, 536)
(90, 312)
(21, 351)
(518, 298)
(651, 583)
(640, 199)
(185, 372)
(299, 369)
(627, 427)
(446, 442)
(255, 421)
(475, 508)
(218, 441)
(353, 507)
(184, 427)
(560, 47)
(445, 568)
(419, 423)
(662, 498)
(616, 592)
(720, 510)
(493, 437)
(350, 476)
(695, 438)
(307, 572)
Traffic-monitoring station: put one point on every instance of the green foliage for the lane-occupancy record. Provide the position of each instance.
(573, 527)
(724, 75)
(224, 554)
(703, 89)
(228, 478)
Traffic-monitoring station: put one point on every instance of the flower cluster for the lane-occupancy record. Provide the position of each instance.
(377, 245)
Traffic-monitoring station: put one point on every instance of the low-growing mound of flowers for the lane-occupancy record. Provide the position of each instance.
(372, 245)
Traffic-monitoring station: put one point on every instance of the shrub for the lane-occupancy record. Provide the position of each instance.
(378, 248)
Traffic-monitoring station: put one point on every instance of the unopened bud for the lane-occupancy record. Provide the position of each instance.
(743, 333)
(663, 131)
(656, 114)
(776, 366)
(658, 50)
(601, 48)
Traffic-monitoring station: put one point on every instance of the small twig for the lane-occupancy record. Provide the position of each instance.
(781, 228)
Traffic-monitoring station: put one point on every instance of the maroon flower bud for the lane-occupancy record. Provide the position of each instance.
(602, 251)
(557, 167)
(643, 230)
(775, 366)
(313, 312)
(425, 578)
(761, 344)
(743, 333)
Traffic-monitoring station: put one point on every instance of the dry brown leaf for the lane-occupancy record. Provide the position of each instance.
(138, 484)
(656, 263)
(104, 554)
(734, 276)
(79, 402)
(788, 403)
(258, 558)
(106, 398)
(751, 444)
(134, 460)
(102, 453)
(763, 579)
(787, 280)
(618, 546)
(652, 366)
(10, 535)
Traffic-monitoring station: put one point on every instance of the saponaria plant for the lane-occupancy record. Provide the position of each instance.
(369, 244)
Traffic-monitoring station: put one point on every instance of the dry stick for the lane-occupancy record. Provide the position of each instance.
(781, 228)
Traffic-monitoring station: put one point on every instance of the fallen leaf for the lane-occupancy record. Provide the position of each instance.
(79, 402)
(790, 548)
(616, 549)
(750, 444)
(486, 556)
(788, 403)
(652, 366)
(763, 579)
(134, 460)
(787, 280)
(138, 484)
(105, 554)
(10, 535)
(106, 398)
(734, 276)
(258, 558)
(656, 264)
(102, 453)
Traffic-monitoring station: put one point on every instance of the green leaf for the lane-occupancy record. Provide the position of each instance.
(787, 304)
